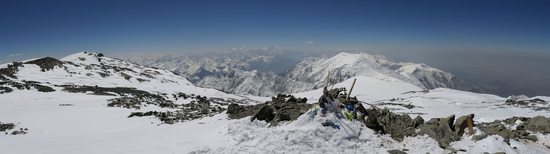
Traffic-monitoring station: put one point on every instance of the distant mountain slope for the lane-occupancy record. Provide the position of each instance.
(237, 72)
(94, 69)
(345, 65)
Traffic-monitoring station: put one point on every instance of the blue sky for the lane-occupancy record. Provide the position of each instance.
(61, 27)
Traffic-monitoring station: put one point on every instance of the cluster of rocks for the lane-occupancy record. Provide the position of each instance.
(6, 127)
(4, 90)
(515, 128)
(197, 108)
(399, 126)
(107, 91)
(447, 130)
(131, 98)
(10, 71)
(25, 85)
(386, 122)
(526, 102)
(280, 108)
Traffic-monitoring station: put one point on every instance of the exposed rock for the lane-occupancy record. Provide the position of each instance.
(18, 132)
(6, 126)
(280, 108)
(10, 71)
(526, 102)
(418, 121)
(108, 91)
(47, 63)
(440, 129)
(236, 111)
(395, 151)
(538, 124)
(386, 122)
(266, 113)
(198, 107)
(27, 85)
(516, 128)
(4, 90)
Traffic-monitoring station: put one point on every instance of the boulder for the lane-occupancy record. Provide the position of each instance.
(538, 124)
(386, 122)
(440, 129)
(266, 113)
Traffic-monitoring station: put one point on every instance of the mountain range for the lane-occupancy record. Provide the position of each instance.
(246, 72)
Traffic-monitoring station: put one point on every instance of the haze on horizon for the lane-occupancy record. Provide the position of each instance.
(499, 44)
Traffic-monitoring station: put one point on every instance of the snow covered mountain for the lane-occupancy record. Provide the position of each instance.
(89, 103)
(236, 73)
(346, 65)
(242, 71)
(94, 69)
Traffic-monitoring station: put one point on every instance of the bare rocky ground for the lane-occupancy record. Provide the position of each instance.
(9, 128)
(524, 102)
(280, 108)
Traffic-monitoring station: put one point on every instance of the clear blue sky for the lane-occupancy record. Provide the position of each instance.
(61, 27)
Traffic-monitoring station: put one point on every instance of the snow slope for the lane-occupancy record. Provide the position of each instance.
(90, 127)
(91, 69)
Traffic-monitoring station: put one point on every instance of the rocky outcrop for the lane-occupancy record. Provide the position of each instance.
(515, 128)
(7, 127)
(443, 130)
(25, 85)
(280, 108)
(526, 102)
(440, 129)
(386, 122)
(199, 107)
(46, 63)
(10, 71)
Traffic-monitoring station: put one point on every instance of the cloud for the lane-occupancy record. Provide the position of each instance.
(15, 55)
(310, 42)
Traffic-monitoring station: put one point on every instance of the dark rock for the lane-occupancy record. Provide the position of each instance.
(531, 137)
(10, 71)
(386, 122)
(440, 129)
(18, 132)
(6, 126)
(418, 121)
(4, 90)
(47, 63)
(266, 113)
(538, 124)
(395, 151)
(280, 108)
